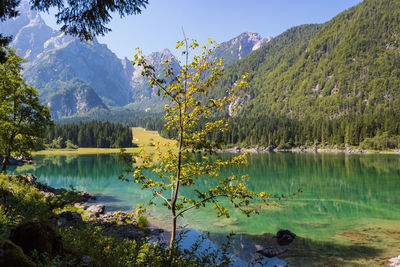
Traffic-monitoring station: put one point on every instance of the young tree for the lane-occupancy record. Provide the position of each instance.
(191, 157)
(23, 120)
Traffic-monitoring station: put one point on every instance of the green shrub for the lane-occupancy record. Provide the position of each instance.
(142, 221)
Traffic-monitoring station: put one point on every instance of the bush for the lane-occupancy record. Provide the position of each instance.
(142, 221)
(381, 142)
(70, 145)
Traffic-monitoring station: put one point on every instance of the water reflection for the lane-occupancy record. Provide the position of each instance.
(339, 190)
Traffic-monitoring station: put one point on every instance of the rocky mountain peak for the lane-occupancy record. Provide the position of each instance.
(240, 46)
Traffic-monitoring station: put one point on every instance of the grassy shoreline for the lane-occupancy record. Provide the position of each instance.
(148, 139)
(140, 137)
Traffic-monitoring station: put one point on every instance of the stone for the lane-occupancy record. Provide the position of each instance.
(30, 178)
(96, 210)
(37, 236)
(71, 216)
(48, 194)
(59, 191)
(285, 237)
(86, 260)
(13, 255)
(271, 252)
(86, 197)
(5, 197)
(269, 149)
(394, 262)
(157, 231)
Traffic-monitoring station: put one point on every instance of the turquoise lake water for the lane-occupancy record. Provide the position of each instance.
(340, 192)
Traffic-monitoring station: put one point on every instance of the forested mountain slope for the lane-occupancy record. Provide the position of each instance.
(343, 75)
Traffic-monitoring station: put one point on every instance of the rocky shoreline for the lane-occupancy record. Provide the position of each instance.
(259, 149)
(17, 160)
(120, 223)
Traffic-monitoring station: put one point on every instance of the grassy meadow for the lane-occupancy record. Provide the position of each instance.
(140, 137)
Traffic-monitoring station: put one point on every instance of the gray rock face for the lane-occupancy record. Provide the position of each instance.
(77, 98)
(91, 62)
(240, 46)
(29, 32)
(141, 89)
(54, 57)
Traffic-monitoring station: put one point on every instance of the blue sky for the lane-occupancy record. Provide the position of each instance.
(160, 25)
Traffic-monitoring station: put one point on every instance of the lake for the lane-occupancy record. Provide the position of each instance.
(347, 214)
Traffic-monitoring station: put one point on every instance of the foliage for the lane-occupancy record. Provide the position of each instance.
(28, 204)
(142, 221)
(343, 74)
(187, 92)
(90, 134)
(23, 121)
(81, 18)
(381, 142)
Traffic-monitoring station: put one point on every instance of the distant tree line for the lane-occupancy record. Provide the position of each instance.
(368, 131)
(377, 130)
(90, 134)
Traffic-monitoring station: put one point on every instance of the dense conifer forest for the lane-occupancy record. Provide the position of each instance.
(90, 134)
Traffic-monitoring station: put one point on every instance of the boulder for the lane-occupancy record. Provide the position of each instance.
(269, 149)
(86, 260)
(5, 197)
(96, 210)
(71, 216)
(30, 178)
(394, 262)
(271, 252)
(86, 196)
(59, 191)
(13, 256)
(48, 194)
(37, 236)
(285, 237)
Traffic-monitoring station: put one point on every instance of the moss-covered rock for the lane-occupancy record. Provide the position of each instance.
(12, 255)
(37, 236)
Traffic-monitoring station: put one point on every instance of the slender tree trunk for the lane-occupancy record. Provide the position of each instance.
(173, 233)
(4, 164)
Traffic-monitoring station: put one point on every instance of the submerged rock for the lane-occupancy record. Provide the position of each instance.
(271, 252)
(285, 237)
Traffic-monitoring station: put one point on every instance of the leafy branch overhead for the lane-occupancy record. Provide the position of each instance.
(191, 157)
(82, 18)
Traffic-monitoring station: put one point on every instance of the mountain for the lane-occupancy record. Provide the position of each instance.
(231, 51)
(141, 88)
(73, 98)
(53, 56)
(347, 65)
(29, 32)
(240, 46)
(91, 62)
(336, 83)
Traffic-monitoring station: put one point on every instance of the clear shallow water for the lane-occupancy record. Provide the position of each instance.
(340, 192)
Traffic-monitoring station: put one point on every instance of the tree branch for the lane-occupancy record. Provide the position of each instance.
(198, 204)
